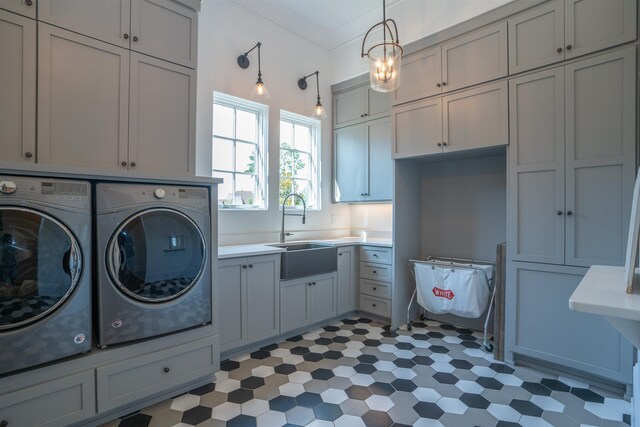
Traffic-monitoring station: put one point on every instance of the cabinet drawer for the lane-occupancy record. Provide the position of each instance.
(375, 289)
(125, 382)
(378, 306)
(375, 254)
(375, 272)
(54, 403)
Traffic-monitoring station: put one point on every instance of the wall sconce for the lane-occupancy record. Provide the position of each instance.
(384, 57)
(318, 110)
(260, 91)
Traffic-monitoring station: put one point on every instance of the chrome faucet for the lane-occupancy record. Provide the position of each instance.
(284, 213)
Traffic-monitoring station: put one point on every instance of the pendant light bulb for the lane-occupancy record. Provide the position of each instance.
(318, 111)
(260, 91)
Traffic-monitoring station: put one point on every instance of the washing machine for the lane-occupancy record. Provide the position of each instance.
(45, 270)
(153, 262)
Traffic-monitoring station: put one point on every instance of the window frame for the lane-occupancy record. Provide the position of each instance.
(262, 148)
(314, 155)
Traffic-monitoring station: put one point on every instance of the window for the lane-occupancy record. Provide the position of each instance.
(240, 152)
(299, 159)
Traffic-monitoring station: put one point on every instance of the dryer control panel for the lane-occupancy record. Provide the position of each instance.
(55, 191)
(110, 196)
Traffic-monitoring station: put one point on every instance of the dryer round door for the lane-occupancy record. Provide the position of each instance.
(156, 255)
(40, 266)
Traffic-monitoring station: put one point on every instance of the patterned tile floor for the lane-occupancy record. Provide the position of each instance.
(358, 373)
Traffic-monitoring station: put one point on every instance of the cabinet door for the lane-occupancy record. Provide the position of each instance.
(536, 37)
(347, 280)
(475, 58)
(476, 118)
(349, 163)
(349, 106)
(378, 103)
(22, 7)
(231, 303)
(294, 304)
(165, 29)
(601, 120)
(540, 324)
(420, 76)
(162, 116)
(17, 88)
(380, 165)
(536, 166)
(592, 25)
(106, 20)
(83, 100)
(417, 128)
(263, 297)
(323, 298)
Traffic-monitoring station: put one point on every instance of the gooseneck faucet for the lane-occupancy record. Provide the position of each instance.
(284, 213)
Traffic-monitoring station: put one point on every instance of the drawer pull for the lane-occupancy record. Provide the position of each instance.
(375, 255)
(166, 370)
(250, 265)
(244, 266)
(375, 289)
(373, 305)
(126, 36)
(375, 272)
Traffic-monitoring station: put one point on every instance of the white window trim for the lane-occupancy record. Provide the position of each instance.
(316, 148)
(262, 112)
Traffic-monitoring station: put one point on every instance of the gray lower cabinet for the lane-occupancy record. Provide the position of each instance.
(307, 300)
(249, 302)
(59, 402)
(125, 382)
(572, 161)
(376, 280)
(347, 280)
(576, 340)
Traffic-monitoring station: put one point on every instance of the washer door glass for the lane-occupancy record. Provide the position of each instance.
(40, 265)
(156, 255)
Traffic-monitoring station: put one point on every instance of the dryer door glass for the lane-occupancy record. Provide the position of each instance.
(40, 265)
(156, 255)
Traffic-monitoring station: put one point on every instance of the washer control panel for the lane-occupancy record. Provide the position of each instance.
(55, 191)
(159, 193)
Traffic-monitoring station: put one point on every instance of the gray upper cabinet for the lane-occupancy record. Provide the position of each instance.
(363, 164)
(83, 100)
(421, 76)
(474, 58)
(347, 287)
(17, 88)
(573, 161)
(165, 29)
(417, 128)
(80, 16)
(161, 116)
(563, 29)
(22, 7)
(358, 105)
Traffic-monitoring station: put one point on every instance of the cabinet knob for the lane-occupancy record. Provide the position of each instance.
(28, 154)
(126, 36)
(438, 85)
(309, 284)
(569, 47)
(439, 144)
(365, 114)
(244, 266)
(559, 50)
(135, 38)
(28, 3)
(444, 83)
(375, 289)
(250, 265)
(569, 213)
(559, 213)
(123, 163)
(339, 254)
(373, 305)
(4, 423)
(375, 255)
(444, 144)
(133, 164)
(375, 272)
(166, 370)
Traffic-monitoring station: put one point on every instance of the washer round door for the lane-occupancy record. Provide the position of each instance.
(156, 255)
(40, 266)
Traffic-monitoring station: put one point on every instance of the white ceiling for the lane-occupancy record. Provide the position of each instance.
(327, 23)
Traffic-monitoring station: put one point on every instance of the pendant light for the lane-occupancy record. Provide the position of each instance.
(318, 110)
(260, 91)
(385, 57)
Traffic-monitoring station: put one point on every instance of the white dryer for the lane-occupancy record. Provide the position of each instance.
(153, 262)
(45, 270)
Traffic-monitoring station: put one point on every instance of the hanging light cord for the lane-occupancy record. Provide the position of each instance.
(317, 74)
(386, 26)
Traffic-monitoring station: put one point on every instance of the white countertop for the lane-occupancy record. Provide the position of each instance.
(236, 251)
(602, 291)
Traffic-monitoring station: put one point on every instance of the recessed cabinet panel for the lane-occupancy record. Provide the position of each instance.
(232, 327)
(263, 302)
(83, 99)
(295, 311)
(475, 58)
(417, 128)
(476, 118)
(349, 106)
(104, 20)
(350, 167)
(21, 7)
(162, 116)
(165, 29)
(323, 299)
(592, 25)
(536, 36)
(17, 88)
(380, 162)
(420, 76)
